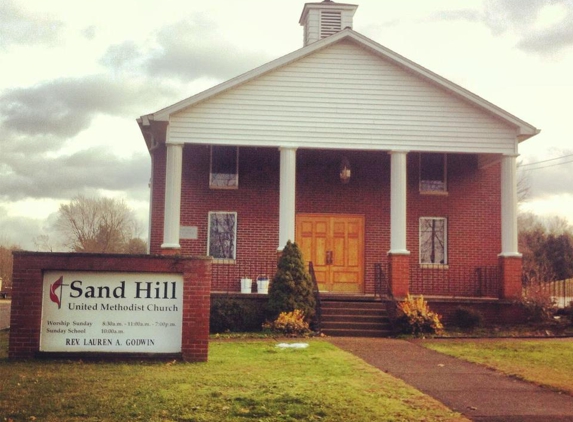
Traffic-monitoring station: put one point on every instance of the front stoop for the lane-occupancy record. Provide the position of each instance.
(355, 318)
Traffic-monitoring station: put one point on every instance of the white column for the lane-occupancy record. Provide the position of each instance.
(509, 206)
(398, 191)
(172, 215)
(287, 196)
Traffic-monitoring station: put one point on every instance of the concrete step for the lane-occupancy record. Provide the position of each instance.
(383, 319)
(354, 311)
(347, 304)
(357, 318)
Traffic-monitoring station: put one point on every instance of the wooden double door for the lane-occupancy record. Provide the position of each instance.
(335, 245)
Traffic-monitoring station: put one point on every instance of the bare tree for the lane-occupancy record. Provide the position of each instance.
(558, 225)
(547, 247)
(6, 262)
(43, 243)
(523, 184)
(100, 225)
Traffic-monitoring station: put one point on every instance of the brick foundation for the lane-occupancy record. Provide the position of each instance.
(510, 269)
(399, 275)
(27, 296)
(494, 312)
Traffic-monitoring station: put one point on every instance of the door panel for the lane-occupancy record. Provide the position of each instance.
(335, 245)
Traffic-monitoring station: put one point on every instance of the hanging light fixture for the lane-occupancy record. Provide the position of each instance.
(345, 170)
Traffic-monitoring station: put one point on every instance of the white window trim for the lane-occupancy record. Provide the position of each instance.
(445, 265)
(222, 260)
(445, 177)
(214, 186)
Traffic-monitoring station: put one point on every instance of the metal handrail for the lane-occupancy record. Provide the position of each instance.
(380, 281)
(318, 308)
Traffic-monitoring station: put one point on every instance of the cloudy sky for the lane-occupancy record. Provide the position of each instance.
(76, 74)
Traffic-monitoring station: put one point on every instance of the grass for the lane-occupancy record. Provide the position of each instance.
(547, 362)
(242, 381)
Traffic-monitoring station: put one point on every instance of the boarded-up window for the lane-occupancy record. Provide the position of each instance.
(433, 240)
(222, 242)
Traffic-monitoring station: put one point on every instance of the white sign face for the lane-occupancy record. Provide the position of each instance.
(111, 312)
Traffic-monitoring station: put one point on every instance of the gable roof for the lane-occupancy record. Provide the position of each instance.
(524, 129)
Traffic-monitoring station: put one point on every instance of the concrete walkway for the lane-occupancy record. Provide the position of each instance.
(478, 393)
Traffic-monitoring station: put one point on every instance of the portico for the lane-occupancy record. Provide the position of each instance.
(429, 189)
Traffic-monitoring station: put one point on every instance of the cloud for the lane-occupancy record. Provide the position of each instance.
(126, 56)
(462, 14)
(19, 230)
(186, 50)
(19, 27)
(86, 171)
(551, 40)
(65, 107)
(502, 15)
(548, 178)
(14, 142)
(523, 18)
(89, 32)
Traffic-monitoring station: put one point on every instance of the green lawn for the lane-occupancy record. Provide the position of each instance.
(242, 381)
(544, 362)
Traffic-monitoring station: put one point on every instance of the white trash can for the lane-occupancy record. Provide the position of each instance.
(246, 285)
(263, 285)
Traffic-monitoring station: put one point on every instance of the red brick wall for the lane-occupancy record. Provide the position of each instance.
(472, 205)
(493, 312)
(27, 294)
(472, 209)
(511, 271)
(399, 275)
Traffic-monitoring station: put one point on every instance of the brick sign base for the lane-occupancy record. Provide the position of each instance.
(27, 294)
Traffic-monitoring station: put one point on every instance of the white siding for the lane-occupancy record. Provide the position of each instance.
(343, 97)
(312, 27)
(347, 20)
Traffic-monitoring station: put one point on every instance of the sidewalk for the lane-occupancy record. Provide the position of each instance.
(478, 393)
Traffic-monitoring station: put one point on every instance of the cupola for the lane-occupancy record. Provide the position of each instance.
(326, 18)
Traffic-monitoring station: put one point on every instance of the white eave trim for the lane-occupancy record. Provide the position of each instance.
(524, 129)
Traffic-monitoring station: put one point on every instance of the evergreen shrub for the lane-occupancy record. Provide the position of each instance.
(291, 287)
(467, 318)
(233, 315)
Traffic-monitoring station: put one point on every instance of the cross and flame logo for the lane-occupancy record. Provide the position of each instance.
(58, 284)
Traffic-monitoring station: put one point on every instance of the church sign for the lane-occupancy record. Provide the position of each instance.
(111, 312)
(78, 305)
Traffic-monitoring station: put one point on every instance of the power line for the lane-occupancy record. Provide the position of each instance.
(550, 165)
(545, 161)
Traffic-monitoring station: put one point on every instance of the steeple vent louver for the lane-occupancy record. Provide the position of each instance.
(321, 20)
(330, 23)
